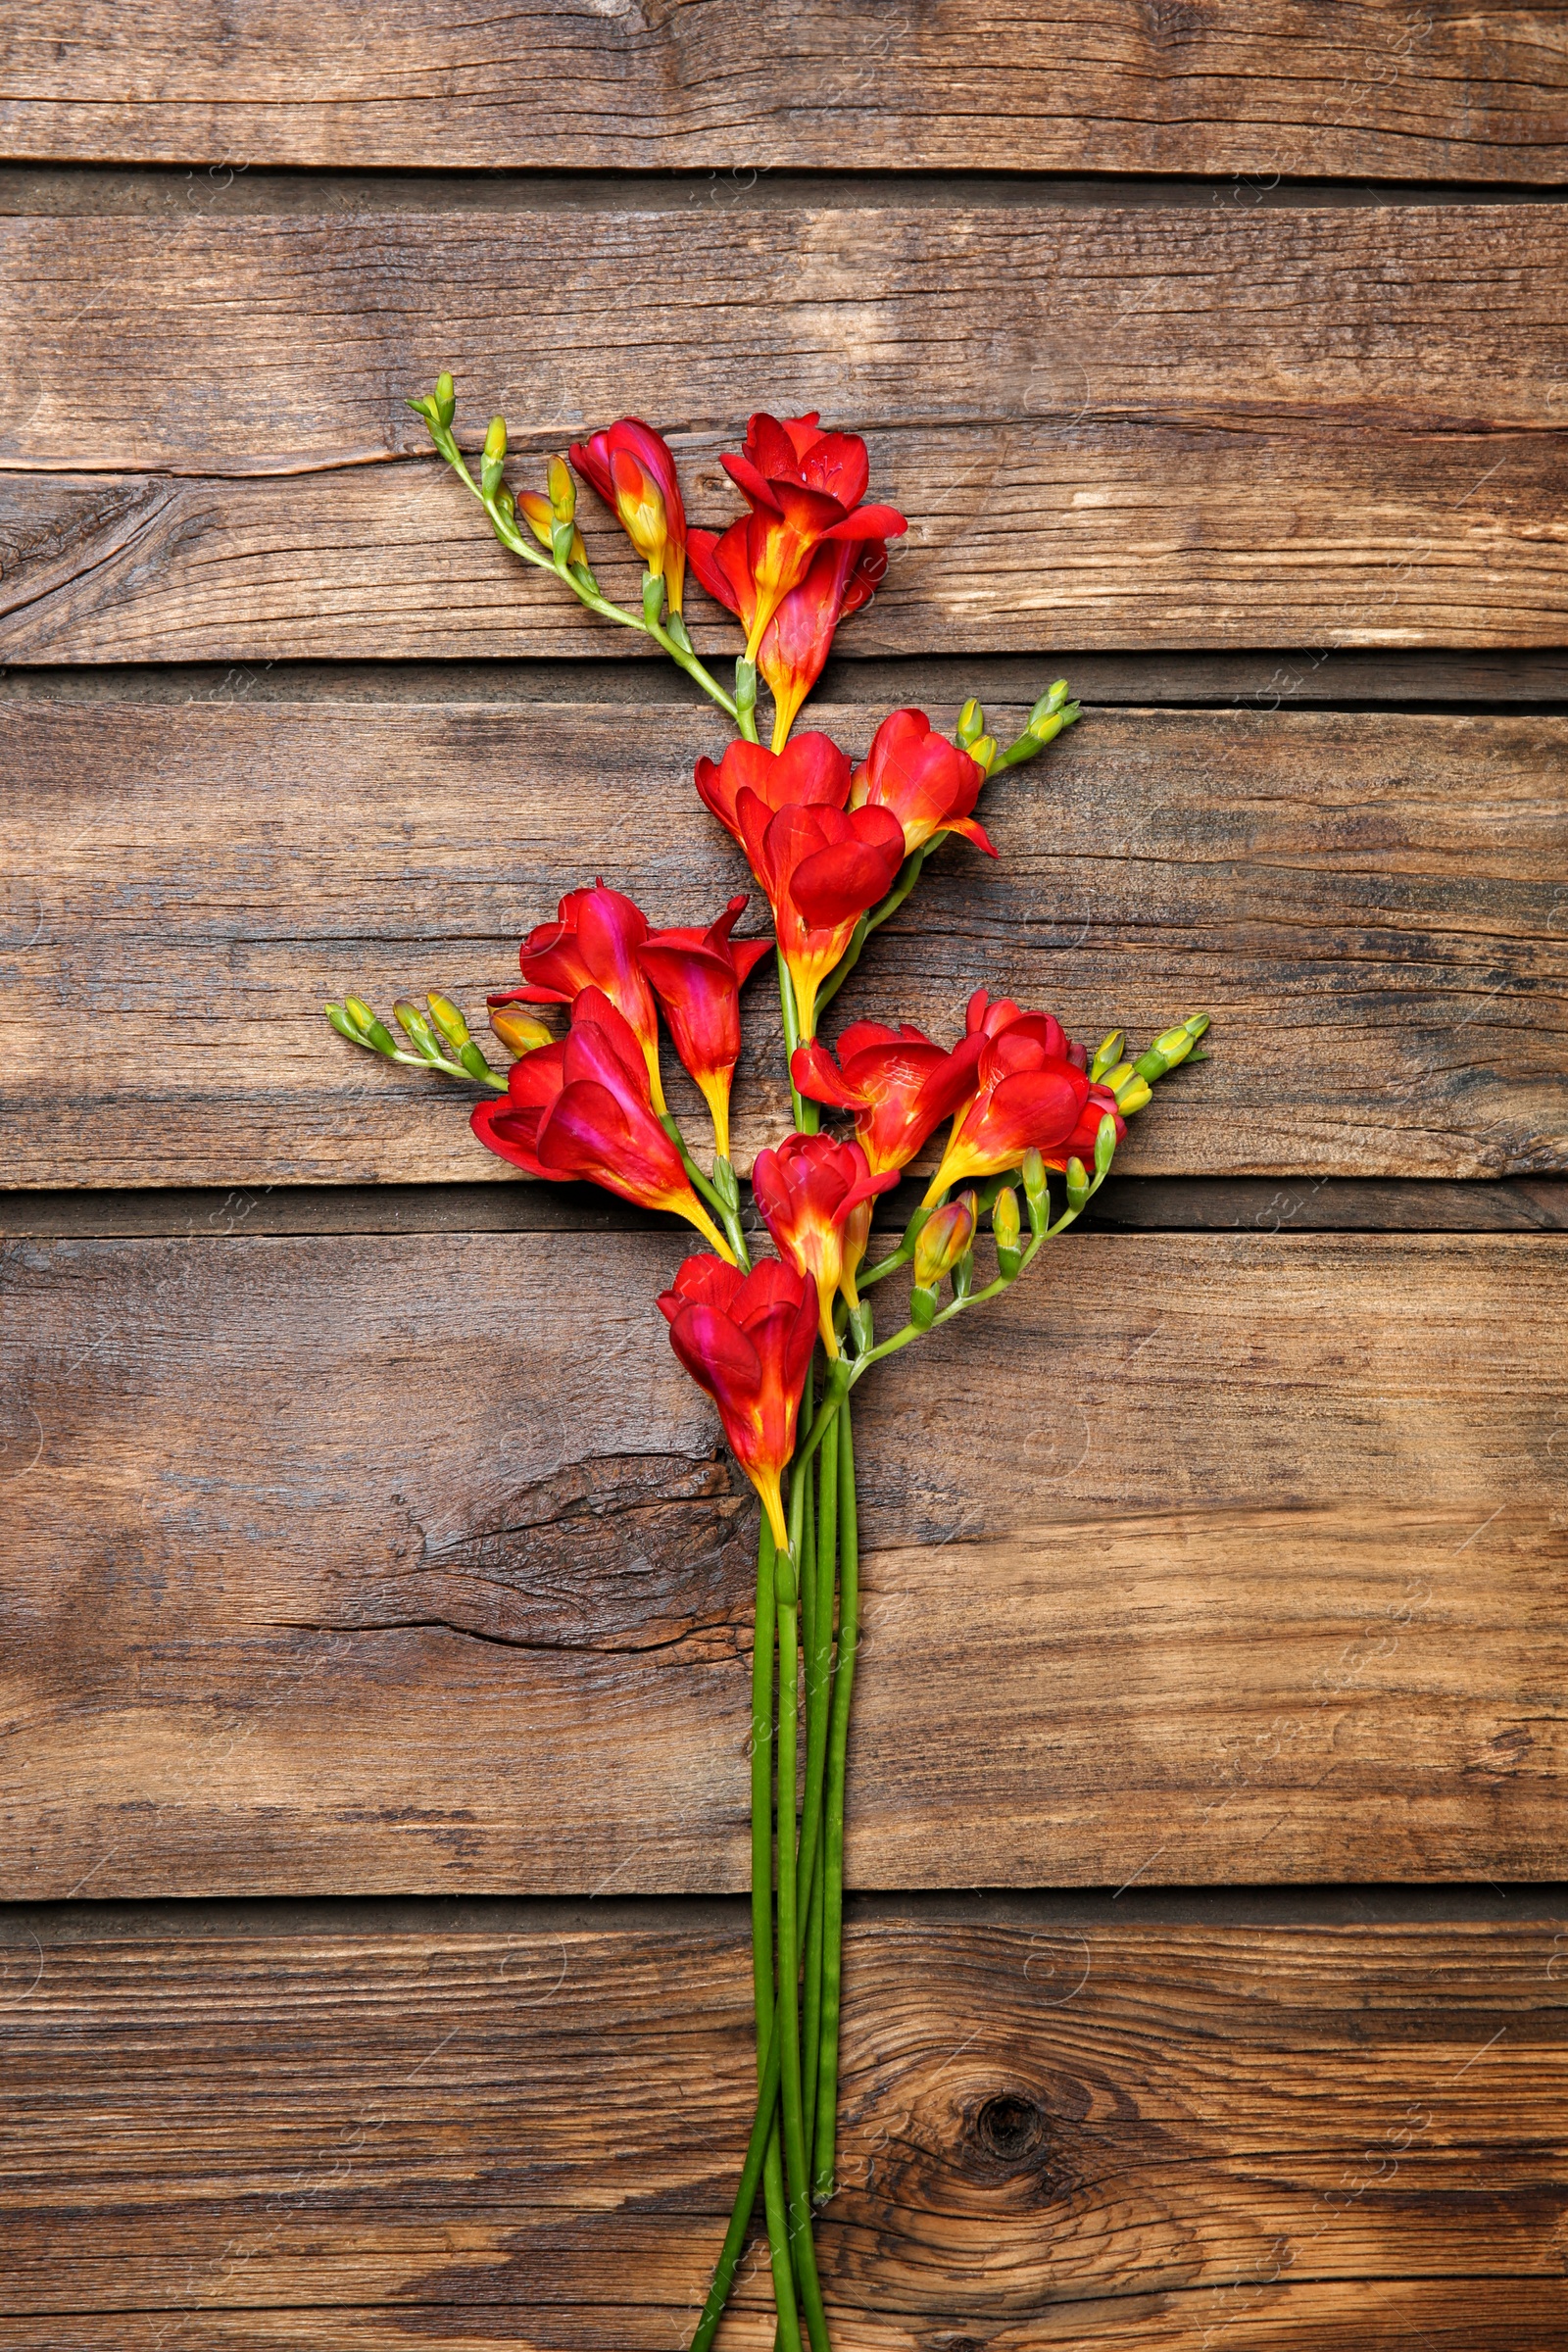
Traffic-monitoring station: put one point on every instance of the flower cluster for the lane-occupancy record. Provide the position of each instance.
(836, 846)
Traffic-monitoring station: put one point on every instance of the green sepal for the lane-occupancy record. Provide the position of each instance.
(561, 535)
(922, 1307)
(675, 631)
(964, 1276)
(653, 597)
(1009, 1263)
(861, 1329)
(474, 1061)
(725, 1184)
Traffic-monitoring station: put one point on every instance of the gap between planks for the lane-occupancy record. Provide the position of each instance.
(1133, 1203)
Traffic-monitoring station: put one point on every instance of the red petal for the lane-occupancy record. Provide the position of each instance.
(834, 885)
(871, 523)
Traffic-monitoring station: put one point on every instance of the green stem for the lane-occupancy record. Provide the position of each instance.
(514, 540)
(787, 1990)
(827, 2080)
(819, 1698)
(769, 2163)
(803, 1111)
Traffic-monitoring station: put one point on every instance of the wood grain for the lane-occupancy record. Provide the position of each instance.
(1371, 906)
(1062, 2126)
(1445, 92)
(339, 1567)
(1147, 427)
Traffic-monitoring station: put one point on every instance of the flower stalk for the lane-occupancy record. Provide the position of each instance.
(837, 849)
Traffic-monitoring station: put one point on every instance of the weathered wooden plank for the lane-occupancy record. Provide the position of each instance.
(1446, 92)
(1372, 908)
(1062, 2125)
(1168, 427)
(336, 1566)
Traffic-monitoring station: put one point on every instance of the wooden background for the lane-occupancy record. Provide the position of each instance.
(372, 1957)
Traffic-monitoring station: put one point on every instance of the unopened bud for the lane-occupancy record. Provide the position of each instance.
(983, 751)
(520, 1032)
(1077, 1184)
(537, 513)
(945, 1237)
(446, 401)
(922, 1307)
(1171, 1047)
(495, 451)
(972, 723)
(1131, 1093)
(1006, 1225)
(1035, 1190)
(1105, 1145)
(562, 490)
(1050, 702)
(448, 1019)
(416, 1029)
(1107, 1054)
(365, 1028)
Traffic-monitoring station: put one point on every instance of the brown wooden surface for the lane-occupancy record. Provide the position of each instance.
(1444, 91)
(1062, 2126)
(337, 1567)
(1384, 954)
(1147, 427)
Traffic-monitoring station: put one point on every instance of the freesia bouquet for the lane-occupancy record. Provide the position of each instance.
(780, 1344)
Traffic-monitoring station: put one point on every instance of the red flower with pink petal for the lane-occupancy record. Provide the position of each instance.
(821, 870)
(1032, 1093)
(928, 783)
(581, 1109)
(812, 771)
(697, 977)
(804, 487)
(807, 1191)
(747, 1343)
(593, 943)
(841, 577)
(898, 1083)
(633, 470)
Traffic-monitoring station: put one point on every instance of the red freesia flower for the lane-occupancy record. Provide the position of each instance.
(1031, 1093)
(812, 771)
(803, 487)
(899, 1084)
(821, 871)
(808, 1190)
(582, 1108)
(748, 1341)
(927, 782)
(593, 943)
(840, 578)
(631, 467)
(697, 977)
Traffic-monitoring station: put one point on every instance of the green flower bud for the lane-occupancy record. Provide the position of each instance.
(416, 1029)
(1035, 1191)
(1105, 1145)
(520, 1032)
(448, 1019)
(971, 724)
(474, 1061)
(1077, 1183)
(922, 1307)
(562, 490)
(366, 1029)
(945, 1237)
(1004, 1222)
(495, 451)
(446, 401)
(1107, 1054)
(1048, 705)
(983, 751)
